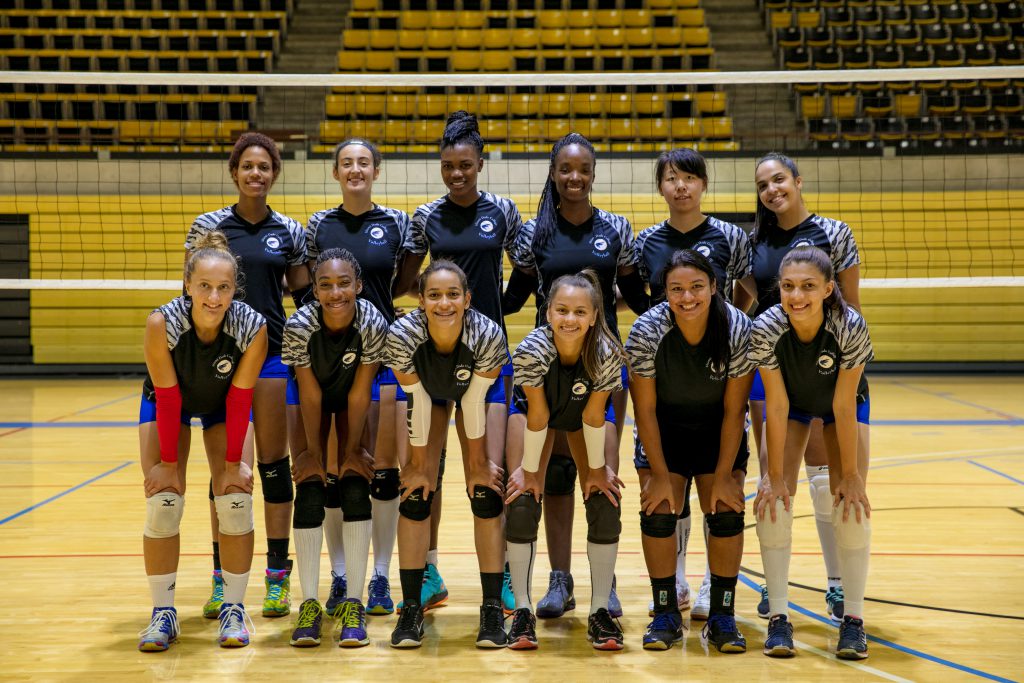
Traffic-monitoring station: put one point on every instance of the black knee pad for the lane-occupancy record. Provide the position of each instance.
(211, 489)
(522, 519)
(416, 507)
(658, 525)
(486, 503)
(310, 497)
(686, 499)
(440, 469)
(560, 479)
(725, 524)
(604, 523)
(277, 481)
(355, 498)
(333, 499)
(385, 484)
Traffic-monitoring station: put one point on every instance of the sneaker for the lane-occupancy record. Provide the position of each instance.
(702, 607)
(409, 629)
(161, 632)
(492, 625)
(277, 602)
(353, 624)
(763, 609)
(835, 604)
(779, 642)
(508, 598)
(614, 606)
(664, 631)
(307, 628)
(720, 631)
(559, 598)
(339, 591)
(235, 626)
(853, 642)
(682, 598)
(211, 610)
(523, 634)
(603, 631)
(434, 593)
(379, 595)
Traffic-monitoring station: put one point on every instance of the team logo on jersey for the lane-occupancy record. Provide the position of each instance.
(826, 362)
(349, 358)
(223, 366)
(803, 243)
(463, 374)
(600, 245)
(272, 244)
(704, 249)
(375, 233)
(579, 388)
(716, 371)
(487, 227)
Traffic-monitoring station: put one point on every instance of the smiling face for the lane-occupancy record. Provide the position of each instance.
(255, 173)
(688, 291)
(777, 189)
(354, 170)
(460, 166)
(336, 288)
(443, 299)
(803, 290)
(573, 173)
(212, 288)
(571, 313)
(682, 190)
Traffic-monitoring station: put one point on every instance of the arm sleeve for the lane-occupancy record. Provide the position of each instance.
(237, 408)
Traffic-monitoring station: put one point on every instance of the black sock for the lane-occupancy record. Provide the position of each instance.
(216, 556)
(277, 553)
(723, 595)
(664, 593)
(491, 583)
(412, 585)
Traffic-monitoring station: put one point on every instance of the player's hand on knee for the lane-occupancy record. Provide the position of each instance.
(852, 494)
(768, 492)
(413, 479)
(656, 491)
(486, 474)
(604, 480)
(358, 461)
(727, 491)
(163, 476)
(521, 482)
(307, 466)
(237, 478)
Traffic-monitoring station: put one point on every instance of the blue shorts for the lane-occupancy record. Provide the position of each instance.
(292, 389)
(506, 370)
(863, 414)
(757, 388)
(385, 377)
(273, 368)
(515, 407)
(147, 413)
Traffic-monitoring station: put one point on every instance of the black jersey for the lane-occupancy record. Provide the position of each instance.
(334, 359)
(810, 370)
(378, 239)
(604, 243)
(690, 388)
(265, 251)
(725, 245)
(831, 236)
(481, 348)
(473, 237)
(567, 388)
(204, 371)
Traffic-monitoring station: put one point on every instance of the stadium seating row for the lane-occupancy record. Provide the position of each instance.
(89, 107)
(893, 56)
(145, 21)
(542, 19)
(516, 5)
(911, 104)
(903, 34)
(152, 41)
(922, 15)
(699, 59)
(525, 38)
(104, 133)
(991, 127)
(120, 61)
(52, 6)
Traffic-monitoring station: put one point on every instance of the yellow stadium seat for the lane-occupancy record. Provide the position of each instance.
(555, 105)
(370, 105)
(426, 130)
(397, 131)
(685, 129)
(383, 40)
(552, 19)
(412, 39)
(668, 36)
(414, 20)
(710, 102)
(717, 128)
(636, 18)
(496, 61)
(594, 129)
(587, 104)
(200, 131)
(812, 106)
(844, 106)
(436, 106)
(339, 106)
(608, 18)
(466, 60)
(495, 129)
(553, 38)
(908, 104)
(380, 61)
(467, 39)
(442, 20)
(440, 39)
(640, 37)
(619, 104)
(400, 106)
(555, 129)
(690, 17)
(583, 18)
(525, 38)
(611, 37)
(497, 38)
(696, 37)
(582, 38)
(620, 129)
(476, 20)
(652, 129)
(649, 104)
(333, 131)
(351, 61)
(494, 105)
(457, 102)
(355, 39)
(523, 104)
(521, 131)
(364, 5)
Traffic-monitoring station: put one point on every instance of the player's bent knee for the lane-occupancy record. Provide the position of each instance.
(821, 492)
(522, 519)
(486, 503)
(725, 524)
(658, 525)
(163, 515)
(851, 534)
(276, 478)
(417, 506)
(234, 513)
(778, 533)
(604, 522)
(333, 499)
(560, 479)
(310, 497)
(385, 484)
(355, 499)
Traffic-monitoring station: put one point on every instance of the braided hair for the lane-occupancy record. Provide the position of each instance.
(546, 222)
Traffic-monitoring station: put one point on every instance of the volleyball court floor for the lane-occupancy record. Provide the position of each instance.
(945, 590)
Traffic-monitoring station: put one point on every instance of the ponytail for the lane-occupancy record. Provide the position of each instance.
(212, 245)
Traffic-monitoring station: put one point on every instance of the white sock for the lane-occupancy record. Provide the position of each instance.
(821, 497)
(161, 587)
(333, 521)
(830, 552)
(307, 555)
(682, 541)
(776, 576)
(602, 571)
(385, 530)
(357, 542)
(855, 579)
(520, 565)
(432, 557)
(234, 587)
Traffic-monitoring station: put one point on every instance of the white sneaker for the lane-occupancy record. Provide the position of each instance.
(682, 598)
(702, 607)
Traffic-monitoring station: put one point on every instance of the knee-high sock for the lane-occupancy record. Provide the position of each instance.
(520, 564)
(307, 552)
(602, 571)
(385, 530)
(333, 522)
(357, 552)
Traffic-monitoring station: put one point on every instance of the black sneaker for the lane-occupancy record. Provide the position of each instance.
(603, 631)
(492, 625)
(779, 642)
(523, 634)
(721, 631)
(853, 642)
(664, 631)
(409, 630)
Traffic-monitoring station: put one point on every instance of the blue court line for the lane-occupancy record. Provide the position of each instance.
(995, 471)
(79, 425)
(107, 403)
(888, 643)
(30, 508)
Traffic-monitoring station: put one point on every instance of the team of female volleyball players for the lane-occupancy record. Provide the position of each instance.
(530, 424)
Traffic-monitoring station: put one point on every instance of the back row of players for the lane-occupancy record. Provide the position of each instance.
(363, 372)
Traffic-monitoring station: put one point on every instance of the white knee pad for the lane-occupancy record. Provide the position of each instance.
(234, 513)
(851, 534)
(163, 515)
(777, 534)
(821, 492)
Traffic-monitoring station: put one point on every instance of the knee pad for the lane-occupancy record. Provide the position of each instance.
(486, 503)
(440, 468)
(333, 495)
(310, 497)
(821, 492)
(385, 484)
(725, 524)
(277, 481)
(658, 525)
(851, 534)
(163, 515)
(355, 499)
(416, 507)
(777, 534)
(522, 519)
(234, 513)
(560, 479)
(604, 523)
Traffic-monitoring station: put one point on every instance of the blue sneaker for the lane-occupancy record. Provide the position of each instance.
(307, 629)
(339, 591)
(235, 626)
(559, 599)
(508, 598)
(664, 631)
(434, 593)
(720, 631)
(853, 641)
(353, 624)
(835, 602)
(779, 642)
(161, 632)
(614, 606)
(379, 595)
(763, 609)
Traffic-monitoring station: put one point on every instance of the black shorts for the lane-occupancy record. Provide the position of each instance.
(692, 452)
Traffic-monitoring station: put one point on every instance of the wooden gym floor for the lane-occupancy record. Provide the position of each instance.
(946, 589)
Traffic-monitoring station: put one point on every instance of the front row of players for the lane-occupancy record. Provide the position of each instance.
(691, 358)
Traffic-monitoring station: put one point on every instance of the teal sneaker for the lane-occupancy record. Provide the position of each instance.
(211, 610)
(508, 598)
(277, 602)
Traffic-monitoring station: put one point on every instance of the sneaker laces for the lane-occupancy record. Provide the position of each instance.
(308, 614)
(351, 615)
(275, 589)
(778, 627)
(339, 585)
(834, 595)
(764, 592)
(722, 623)
(852, 628)
(520, 622)
(157, 622)
(235, 618)
(605, 624)
(407, 619)
(663, 621)
(493, 618)
(379, 586)
(559, 582)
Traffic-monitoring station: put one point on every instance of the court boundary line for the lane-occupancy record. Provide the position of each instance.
(995, 471)
(74, 488)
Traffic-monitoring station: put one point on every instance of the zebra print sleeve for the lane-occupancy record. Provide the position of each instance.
(205, 223)
(486, 340)
(298, 254)
(627, 254)
(610, 377)
(645, 338)
(177, 319)
(854, 340)
(312, 227)
(513, 221)
(638, 247)
(409, 240)
(739, 343)
(844, 247)
(241, 323)
(741, 256)
(764, 335)
(297, 333)
(373, 329)
(405, 336)
(533, 357)
(520, 252)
